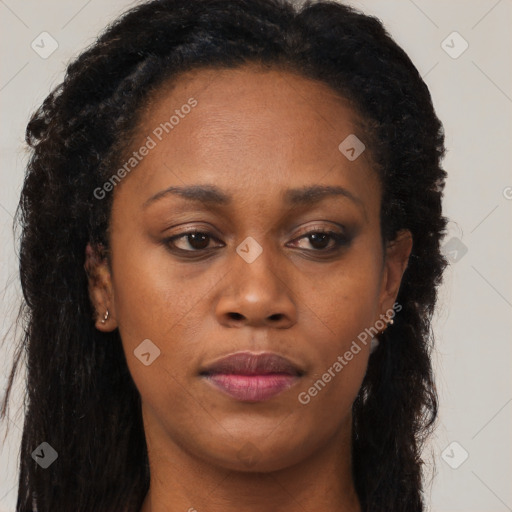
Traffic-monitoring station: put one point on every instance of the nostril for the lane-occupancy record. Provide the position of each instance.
(236, 316)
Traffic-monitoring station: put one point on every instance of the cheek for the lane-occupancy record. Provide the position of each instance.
(157, 301)
(156, 307)
(343, 311)
(348, 301)
(152, 295)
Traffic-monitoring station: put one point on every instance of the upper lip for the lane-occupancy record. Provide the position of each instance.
(248, 363)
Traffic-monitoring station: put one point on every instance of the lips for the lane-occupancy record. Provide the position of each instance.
(250, 377)
(247, 363)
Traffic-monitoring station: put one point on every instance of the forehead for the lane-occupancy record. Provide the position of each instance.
(249, 126)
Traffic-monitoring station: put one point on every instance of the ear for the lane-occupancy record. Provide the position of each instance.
(100, 287)
(396, 259)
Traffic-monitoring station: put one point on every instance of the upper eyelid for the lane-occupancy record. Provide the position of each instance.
(305, 231)
(323, 225)
(323, 228)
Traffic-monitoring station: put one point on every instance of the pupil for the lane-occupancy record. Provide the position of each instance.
(316, 237)
(199, 240)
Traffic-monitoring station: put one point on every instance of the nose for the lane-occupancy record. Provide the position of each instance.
(257, 294)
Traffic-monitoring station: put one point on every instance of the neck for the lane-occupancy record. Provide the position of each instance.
(181, 482)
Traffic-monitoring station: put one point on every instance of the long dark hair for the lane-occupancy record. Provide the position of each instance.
(80, 397)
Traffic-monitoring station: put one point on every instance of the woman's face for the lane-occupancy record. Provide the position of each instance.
(251, 161)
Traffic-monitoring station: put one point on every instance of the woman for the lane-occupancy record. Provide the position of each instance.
(231, 224)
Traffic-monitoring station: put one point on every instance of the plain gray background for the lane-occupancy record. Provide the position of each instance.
(472, 93)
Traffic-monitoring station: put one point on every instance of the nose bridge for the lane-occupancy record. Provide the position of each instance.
(257, 292)
(255, 265)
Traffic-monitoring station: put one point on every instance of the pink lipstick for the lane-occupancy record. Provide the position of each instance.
(250, 377)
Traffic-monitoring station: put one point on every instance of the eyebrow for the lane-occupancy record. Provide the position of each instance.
(210, 194)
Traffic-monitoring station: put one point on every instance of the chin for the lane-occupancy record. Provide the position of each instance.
(252, 456)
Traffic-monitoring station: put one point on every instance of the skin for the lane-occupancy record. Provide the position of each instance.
(253, 134)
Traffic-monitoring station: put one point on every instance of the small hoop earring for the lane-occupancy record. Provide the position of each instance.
(104, 319)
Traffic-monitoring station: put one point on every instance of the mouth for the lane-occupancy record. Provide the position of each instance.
(250, 377)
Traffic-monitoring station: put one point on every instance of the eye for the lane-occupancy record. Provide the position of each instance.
(197, 240)
(320, 240)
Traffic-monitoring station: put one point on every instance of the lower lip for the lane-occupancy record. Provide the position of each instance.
(252, 388)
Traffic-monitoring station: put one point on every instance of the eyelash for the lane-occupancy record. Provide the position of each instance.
(340, 241)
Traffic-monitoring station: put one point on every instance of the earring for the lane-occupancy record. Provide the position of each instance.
(104, 319)
(375, 341)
